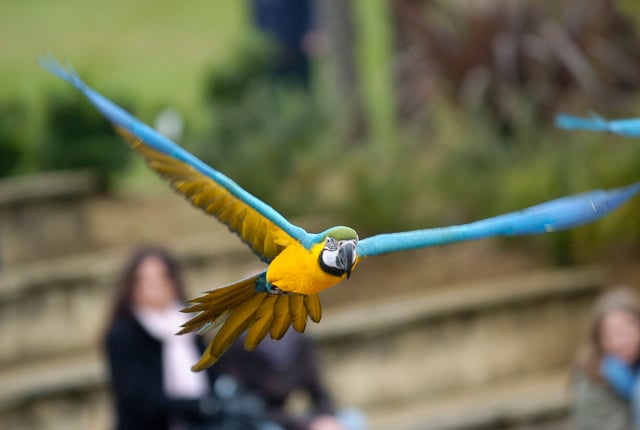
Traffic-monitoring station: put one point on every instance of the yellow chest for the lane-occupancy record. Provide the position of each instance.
(297, 270)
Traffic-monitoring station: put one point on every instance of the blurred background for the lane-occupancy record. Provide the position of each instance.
(383, 115)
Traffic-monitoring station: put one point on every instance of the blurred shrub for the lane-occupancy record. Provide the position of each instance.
(77, 136)
(482, 80)
(13, 137)
(477, 151)
(261, 130)
(249, 66)
(490, 56)
(483, 173)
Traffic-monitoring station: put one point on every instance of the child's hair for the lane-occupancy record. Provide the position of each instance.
(615, 299)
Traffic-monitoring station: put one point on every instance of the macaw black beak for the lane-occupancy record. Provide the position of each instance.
(346, 255)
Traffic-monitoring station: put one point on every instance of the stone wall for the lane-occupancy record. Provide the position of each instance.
(52, 314)
(466, 336)
(490, 354)
(44, 216)
(380, 357)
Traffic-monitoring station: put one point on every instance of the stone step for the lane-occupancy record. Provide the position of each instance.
(434, 357)
(525, 401)
(538, 401)
(45, 215)
(66, 392)
(61, 305)
(75, 373)
(465, 336)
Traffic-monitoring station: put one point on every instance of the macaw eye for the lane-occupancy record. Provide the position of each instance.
(330, 243)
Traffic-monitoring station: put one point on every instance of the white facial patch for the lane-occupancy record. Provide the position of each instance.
(329, 258)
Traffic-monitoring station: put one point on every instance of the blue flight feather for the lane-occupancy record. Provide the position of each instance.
(555, 215)
(559, 214)
(157, 141)
(629, 127)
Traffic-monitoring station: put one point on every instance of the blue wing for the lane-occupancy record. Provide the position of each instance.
(624, 127)
(555, 215)
(259, 225)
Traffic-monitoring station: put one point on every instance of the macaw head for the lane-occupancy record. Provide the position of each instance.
(338, 255)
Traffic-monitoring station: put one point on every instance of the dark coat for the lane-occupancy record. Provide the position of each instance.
(273, 384)
(135, 366)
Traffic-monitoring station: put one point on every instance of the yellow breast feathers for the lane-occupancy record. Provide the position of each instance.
(297, 270)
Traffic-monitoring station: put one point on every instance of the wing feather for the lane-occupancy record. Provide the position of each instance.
(192, 177)
(270, 243)
(214, 305)
(238, 321)
(555, 215)
(628, 127)
(312, 303)
(298, 312)
(282, 317)
(241, 219)
(262, 323)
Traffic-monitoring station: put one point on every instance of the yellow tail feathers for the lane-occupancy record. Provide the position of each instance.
(239, 307)
(261, 324)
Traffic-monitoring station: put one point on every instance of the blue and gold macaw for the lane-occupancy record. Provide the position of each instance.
(300, 264)
(628, 127)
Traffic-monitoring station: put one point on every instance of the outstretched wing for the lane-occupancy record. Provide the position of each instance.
(247, 306)
(258, 225)
(624, 127)
(555, 215)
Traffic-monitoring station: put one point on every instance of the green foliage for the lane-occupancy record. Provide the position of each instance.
(485, 176)
(247, 68)
(480, 83)
(77, 136)
(13, 137)
(491, 54)
(260, 130)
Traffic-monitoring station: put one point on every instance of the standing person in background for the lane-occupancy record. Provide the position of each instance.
(289, 24)
(149, 366)
(604, 380)
(276, 371)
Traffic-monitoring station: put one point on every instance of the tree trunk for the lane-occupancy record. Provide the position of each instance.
(341, 33)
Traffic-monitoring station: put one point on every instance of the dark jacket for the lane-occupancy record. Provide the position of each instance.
(135, 366)
(273, 383)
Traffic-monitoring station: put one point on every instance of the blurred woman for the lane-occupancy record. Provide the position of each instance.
(605, 376)
(149, 365)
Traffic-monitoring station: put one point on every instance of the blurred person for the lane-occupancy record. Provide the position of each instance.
(279, 370)
(289, 24)
(604, 379)
(149, 366)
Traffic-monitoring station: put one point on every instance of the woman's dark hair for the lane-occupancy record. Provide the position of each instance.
(127, 281)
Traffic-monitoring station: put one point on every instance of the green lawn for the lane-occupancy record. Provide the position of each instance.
(155, 51)
(154, 54)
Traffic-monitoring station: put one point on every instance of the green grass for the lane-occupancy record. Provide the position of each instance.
(150, 53)
(155, 51)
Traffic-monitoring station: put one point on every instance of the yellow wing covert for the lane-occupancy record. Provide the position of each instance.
(265, 238)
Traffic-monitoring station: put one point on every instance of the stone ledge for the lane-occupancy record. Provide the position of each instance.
(533, 399)
(22, 384)
(30, 277)
(46, 186)
(27, 380)
(44, 216)
(458, 299)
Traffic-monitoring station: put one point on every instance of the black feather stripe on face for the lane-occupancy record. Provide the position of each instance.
(331, 270)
